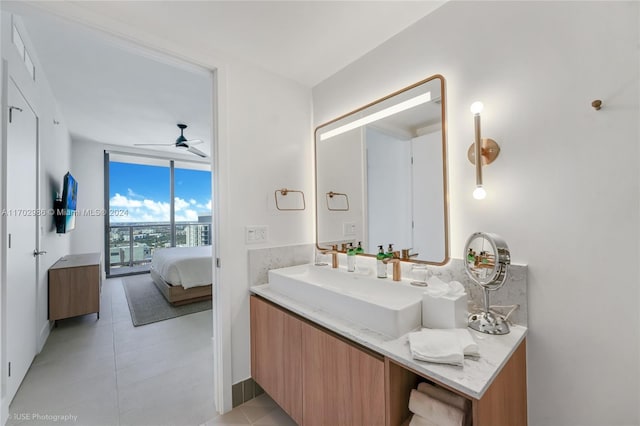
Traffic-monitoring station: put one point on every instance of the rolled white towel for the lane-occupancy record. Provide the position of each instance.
(448, 397)
(444, 395)
(434, 412)
(417, 420)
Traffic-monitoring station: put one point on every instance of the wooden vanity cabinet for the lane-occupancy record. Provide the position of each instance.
(505, 402)
(317, 378)
(276, 355)
(341, 384)
(321, 379)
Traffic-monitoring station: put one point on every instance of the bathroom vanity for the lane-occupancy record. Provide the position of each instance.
(330, 347)
(326, 371)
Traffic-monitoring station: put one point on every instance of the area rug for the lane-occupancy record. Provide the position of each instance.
(148, 305)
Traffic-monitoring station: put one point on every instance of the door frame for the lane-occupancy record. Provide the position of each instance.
(8, 79)
(221, 312)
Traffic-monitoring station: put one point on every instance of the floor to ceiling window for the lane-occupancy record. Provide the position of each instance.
(153, 203)
(192, 195)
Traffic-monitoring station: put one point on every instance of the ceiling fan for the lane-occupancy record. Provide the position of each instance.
(181, 142)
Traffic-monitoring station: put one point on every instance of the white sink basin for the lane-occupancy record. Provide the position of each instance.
(382, 305)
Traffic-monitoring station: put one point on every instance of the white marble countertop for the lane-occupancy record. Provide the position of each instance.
(472, 379)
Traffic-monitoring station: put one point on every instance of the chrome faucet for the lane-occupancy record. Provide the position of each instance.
(395, 260)
(334, 255)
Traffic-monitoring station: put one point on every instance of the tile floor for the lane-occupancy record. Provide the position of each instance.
(108, 372)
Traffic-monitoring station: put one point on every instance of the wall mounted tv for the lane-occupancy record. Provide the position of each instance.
(66, 207)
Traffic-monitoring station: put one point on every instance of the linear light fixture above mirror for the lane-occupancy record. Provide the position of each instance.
(387, 112)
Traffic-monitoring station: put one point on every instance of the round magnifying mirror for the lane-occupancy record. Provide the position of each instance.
(487, 260)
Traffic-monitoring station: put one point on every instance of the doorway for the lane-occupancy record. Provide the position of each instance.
(21, 224)
(88, 236)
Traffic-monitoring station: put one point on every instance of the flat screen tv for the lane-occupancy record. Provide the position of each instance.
(66, 207)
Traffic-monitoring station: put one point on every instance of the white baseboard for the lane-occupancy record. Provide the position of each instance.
(43, 335)
(4, 411)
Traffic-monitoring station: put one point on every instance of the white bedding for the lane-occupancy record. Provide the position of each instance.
(185, 266)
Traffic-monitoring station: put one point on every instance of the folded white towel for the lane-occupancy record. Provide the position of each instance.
(438, 346)
(434, 412)
(469, 346)
(442, 346)
(448, 397)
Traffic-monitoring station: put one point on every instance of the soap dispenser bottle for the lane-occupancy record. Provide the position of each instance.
(389, 253)
(351, 258)
(359, 249)
(381, 266)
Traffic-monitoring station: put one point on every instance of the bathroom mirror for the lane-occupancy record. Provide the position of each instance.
(390, 159)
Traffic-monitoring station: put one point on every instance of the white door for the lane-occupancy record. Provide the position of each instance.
(21, 183)
(428, 202)
(388, 190)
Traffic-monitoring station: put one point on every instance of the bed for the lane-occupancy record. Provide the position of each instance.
(183, 274)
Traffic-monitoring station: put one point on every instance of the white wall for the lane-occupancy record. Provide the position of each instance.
(54, 145)
(87, 168)
(564, 192)
(268, 147)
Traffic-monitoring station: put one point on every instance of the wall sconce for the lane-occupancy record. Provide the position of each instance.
(485, 149)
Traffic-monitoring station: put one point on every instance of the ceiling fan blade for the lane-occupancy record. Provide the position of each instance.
(194, 141)
(154, 144)
(196, 151)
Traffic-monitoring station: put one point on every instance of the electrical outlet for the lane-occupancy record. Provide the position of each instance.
(256, 234)
(349, 228)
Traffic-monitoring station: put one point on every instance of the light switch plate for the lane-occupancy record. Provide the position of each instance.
(256, 234)
(349, 228)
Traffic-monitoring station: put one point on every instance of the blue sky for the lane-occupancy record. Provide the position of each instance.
(143, 191)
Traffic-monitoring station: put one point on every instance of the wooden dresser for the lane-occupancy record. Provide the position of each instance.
(75, 282)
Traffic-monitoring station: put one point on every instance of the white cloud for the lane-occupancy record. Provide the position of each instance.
(132, 194)
(158, 208)
(155, 211)
(183, 211)
(205, 207)
(122, 201)
(180, 204)
(187, 215)
(138, 210)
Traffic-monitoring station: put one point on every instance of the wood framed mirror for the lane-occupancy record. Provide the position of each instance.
(390, 158)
